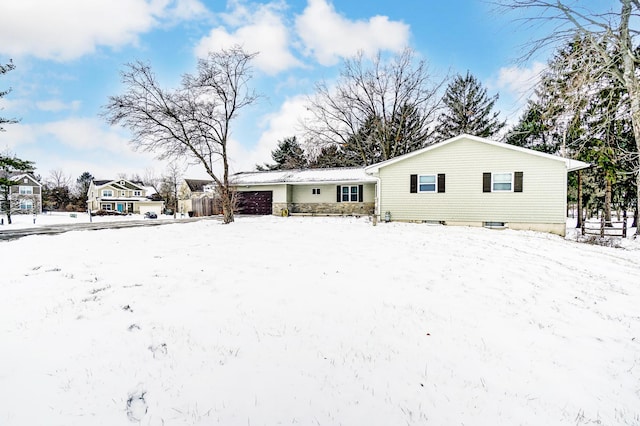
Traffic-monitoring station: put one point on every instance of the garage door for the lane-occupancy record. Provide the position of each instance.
(255, 202)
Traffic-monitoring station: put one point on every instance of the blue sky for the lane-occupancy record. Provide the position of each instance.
(69, 54)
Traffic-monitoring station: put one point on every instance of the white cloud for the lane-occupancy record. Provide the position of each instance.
(261, 30)
(281, 124)
(517, 80)
(515, 85)
(328, 36)
(67, 29)
(75, 145)
(56, 105)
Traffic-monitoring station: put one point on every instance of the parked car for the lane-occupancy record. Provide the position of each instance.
(150, 215)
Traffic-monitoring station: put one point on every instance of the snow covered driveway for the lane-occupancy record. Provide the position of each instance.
(323, 321)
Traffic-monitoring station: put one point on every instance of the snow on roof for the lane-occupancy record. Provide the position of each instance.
(301, 176)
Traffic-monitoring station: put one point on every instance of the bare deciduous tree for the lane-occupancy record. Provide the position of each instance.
(59, 179)
(170, 182)
(374, 96)
(610, 36)
(191, 122)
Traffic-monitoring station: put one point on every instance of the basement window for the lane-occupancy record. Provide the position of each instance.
(495, 225)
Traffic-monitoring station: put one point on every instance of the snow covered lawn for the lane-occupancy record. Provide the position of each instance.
(322, 321)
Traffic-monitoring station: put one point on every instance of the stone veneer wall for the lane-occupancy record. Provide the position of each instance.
(325, 208)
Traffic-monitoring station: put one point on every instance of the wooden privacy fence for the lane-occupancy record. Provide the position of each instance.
(205, 206)
(606, 229)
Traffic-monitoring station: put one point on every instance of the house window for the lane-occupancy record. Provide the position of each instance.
(105, 206)
(350, 193)
(26, 190)
(427, 183)
(315, 191)
(137, 193)
(107, 193)
(123, 193)
(26, 205)
(502, 182)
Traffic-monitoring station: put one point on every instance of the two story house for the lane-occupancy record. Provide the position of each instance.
(25, 197)
(121, 195)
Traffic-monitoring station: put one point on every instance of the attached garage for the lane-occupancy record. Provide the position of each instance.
(255, 202)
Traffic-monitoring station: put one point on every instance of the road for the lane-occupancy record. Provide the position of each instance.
(12, 234)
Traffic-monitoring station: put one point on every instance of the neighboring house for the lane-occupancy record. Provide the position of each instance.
(121, 195)
(197, 197)
(474, 181)
(26, 196)
(345, 191)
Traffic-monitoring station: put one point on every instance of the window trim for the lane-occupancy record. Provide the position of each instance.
(28, 203)
(354, 194)
(435, 183)
(137, 193)
(493, 182)
(25, 190)
(349, 194)
(104, 192)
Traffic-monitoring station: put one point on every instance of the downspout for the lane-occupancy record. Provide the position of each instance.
(376, 209)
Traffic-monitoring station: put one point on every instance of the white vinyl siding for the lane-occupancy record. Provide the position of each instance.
(464, 162)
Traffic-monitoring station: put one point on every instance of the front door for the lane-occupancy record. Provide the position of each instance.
(120, 207)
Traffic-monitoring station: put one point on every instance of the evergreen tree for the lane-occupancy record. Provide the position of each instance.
(288, 155)
(534, 131)
(10, 165)
(82, 187)
(333, 156)
(467, 109)
(3, 70)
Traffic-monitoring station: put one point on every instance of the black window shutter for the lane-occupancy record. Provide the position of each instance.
(440, 182)
(360, 188)
(339, 194)
(486, 182)
(517, 184)
(413, 187)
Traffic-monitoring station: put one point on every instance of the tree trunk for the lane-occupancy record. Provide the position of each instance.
(579, 206)
(227, 206)
(607, 203)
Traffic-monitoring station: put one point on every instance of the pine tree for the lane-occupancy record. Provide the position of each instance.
(468, 109)
(3, 70)
(9, 166)
(288, 155)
